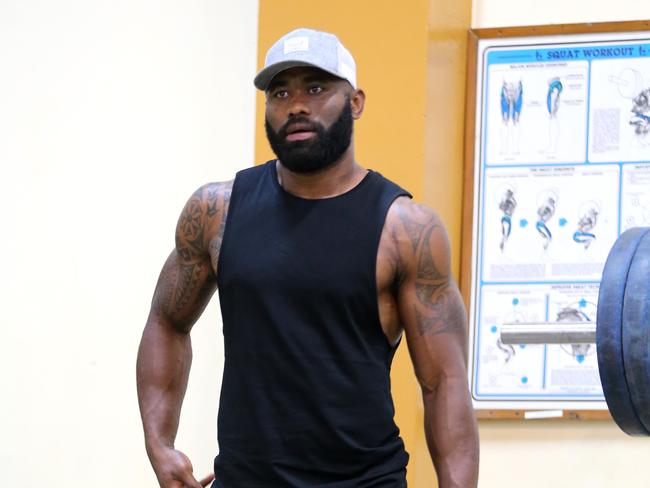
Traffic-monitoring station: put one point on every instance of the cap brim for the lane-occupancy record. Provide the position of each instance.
(264, 77)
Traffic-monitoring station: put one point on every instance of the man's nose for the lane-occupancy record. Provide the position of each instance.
(299, 104)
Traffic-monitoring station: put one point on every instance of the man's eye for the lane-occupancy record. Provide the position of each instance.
(314, 90)
(280, 94)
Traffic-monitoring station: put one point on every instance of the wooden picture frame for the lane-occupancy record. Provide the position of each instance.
(541, 39)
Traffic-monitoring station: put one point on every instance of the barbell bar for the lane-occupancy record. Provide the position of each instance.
(548, 333)
(621, 332)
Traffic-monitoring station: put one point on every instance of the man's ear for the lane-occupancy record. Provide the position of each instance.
(357, 102)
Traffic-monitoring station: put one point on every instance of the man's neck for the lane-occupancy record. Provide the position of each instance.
(334, 180)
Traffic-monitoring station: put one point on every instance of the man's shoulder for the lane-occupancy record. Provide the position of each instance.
(415, 229)
(215, 195)
(407, 213)
(209, 199)
(207, 207)
(203, 215)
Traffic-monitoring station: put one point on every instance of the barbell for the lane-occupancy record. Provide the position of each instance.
(621, 332)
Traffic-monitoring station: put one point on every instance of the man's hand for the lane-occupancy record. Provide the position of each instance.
(174, 470)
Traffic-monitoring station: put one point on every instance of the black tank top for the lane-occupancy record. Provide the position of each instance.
(305, 398)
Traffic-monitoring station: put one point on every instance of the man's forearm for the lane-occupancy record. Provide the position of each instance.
(452, 434)
(163, 366)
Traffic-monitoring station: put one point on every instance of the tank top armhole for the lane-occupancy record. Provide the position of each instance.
(233, 196)
(388, 198)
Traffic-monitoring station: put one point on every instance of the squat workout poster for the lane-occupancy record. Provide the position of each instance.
(561, 168)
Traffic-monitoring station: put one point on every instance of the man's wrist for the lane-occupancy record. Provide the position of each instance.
(155, 445)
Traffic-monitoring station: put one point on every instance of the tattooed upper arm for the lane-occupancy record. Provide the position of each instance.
(188, 278)
(431, 308)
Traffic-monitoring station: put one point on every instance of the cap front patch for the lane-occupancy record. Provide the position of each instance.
(296, 44)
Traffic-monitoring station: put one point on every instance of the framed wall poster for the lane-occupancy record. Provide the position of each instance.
(557, 166)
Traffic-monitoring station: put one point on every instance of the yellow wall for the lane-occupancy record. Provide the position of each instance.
(411, 63)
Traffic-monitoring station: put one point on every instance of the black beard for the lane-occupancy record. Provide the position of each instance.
(321, 151)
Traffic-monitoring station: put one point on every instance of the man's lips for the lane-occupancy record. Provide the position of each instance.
(300, 135)
(300, 132)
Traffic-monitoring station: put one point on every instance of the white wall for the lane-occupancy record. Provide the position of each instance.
(542, 454)
(503, 13)
(111, 114)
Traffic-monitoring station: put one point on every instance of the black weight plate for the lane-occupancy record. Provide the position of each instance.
(636, 330)
(609, 345)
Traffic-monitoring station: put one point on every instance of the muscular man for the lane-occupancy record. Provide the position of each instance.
(321, 265)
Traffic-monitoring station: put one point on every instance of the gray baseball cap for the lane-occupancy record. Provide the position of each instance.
(308, 47)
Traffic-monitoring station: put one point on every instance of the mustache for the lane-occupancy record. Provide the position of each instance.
(304, 124)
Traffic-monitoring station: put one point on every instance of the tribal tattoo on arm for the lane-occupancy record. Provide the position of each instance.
(437, 307)
(188, 278)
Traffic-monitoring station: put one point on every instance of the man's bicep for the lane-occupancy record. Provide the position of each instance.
(428, 293)
(436, 332)
(183, 290)
(188, 278)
